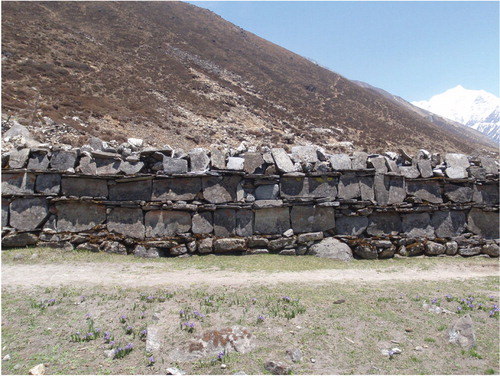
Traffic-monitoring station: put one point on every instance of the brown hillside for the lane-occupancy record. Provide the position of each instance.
(176, 74)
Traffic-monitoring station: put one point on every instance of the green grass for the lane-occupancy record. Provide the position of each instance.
(249, 263)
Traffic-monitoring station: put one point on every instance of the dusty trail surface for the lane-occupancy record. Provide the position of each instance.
(150, 274)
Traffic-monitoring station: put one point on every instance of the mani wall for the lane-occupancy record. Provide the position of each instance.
(163, 202)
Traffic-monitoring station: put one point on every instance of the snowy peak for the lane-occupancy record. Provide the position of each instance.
(476, 109)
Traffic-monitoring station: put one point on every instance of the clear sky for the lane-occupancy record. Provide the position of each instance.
(412, 49)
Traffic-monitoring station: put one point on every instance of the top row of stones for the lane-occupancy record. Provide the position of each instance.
(97, 158)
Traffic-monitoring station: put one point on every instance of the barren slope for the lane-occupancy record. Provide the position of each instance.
(173, 73)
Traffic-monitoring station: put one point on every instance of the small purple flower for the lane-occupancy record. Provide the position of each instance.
(254, 300)
(129, 346)
(434, 301)
(107, 336)
(112, 343)
(492, 297)
(150, 298)
(182, 312)
(151, 360)
(144, 332)
(287, 298)
(82, 298)
(88, 316)
(220, 355)
(123, 318)
(198, 314)
(143, 315)
(191, 325)
(459, 308)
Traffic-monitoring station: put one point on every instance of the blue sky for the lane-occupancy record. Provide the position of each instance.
(411, 49)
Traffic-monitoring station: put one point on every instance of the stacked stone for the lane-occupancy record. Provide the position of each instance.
(164, 202)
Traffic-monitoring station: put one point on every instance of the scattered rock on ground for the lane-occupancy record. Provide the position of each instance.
(277, 368)
(462, 333)
(295, 355)
(39, 369)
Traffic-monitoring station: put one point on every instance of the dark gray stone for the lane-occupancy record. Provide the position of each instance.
(198, 160)
(131, 191)
(389, 190)
(483, 223)
(469, 251)
(18, 183)
(354, 226)
(309, 187)
(340, 162)
(160, 223)
(384, 224)
(417, 225)
(75, 186)
(217, 190)
(87, 166)
(428, 191)
(282, 160)
(359, 159)
(366, 187)
(79, 216)
(456, 166)
(225, 222)
(176, 189)
(272, 220)
(331, 248)
(244, 222)
(458, 193)
(131, 168)
(5, 212)
(205, 245)
(63, 159)
(448, 224)
(107, 166)
(257, 242)
(203, 223)
(49, 184)
(39, 161)
(267, 192)
(415, 249)
(310, 237)
(280, 243)
(174, 166)
(27, 214)
(312, 218)
(486, 194)
(127, 221)
(349, 187)
(477, 172)
(18, 158)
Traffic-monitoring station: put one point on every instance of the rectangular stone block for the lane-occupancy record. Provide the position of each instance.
(79, 216)
(5, 212)
(486, 194)
(351, 225)
(267, 192)
(340, 162)
(389, 190)
(49, 184)
(127, 221)
(272, 220)
(309, 187)
(160, 223)
(176, 189)
(312, 218)
(448, 224)
(18, 183)
(417, 225)
(203, 223)
(39, 161)
(131, 191)
(366, 187)
(225, 222)
(384, 224)
(429, 190)
(349, 187)
(79, 187)
(458, 193)
(229, 245)
(174, 165)
(244, 222)
(220, 189)
(27, 214)
(485, 224)
(283, 162)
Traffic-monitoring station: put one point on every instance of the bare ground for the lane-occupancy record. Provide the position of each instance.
(153, 274)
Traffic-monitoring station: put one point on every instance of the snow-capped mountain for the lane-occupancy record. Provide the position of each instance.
(476, 109)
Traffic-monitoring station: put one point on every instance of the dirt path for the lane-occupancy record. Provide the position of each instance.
(145, 275)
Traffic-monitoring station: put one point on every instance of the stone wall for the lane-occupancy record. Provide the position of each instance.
(162, 202)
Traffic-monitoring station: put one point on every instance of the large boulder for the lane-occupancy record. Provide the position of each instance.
(331, 248)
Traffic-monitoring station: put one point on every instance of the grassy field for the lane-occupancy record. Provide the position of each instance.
(339, 328)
